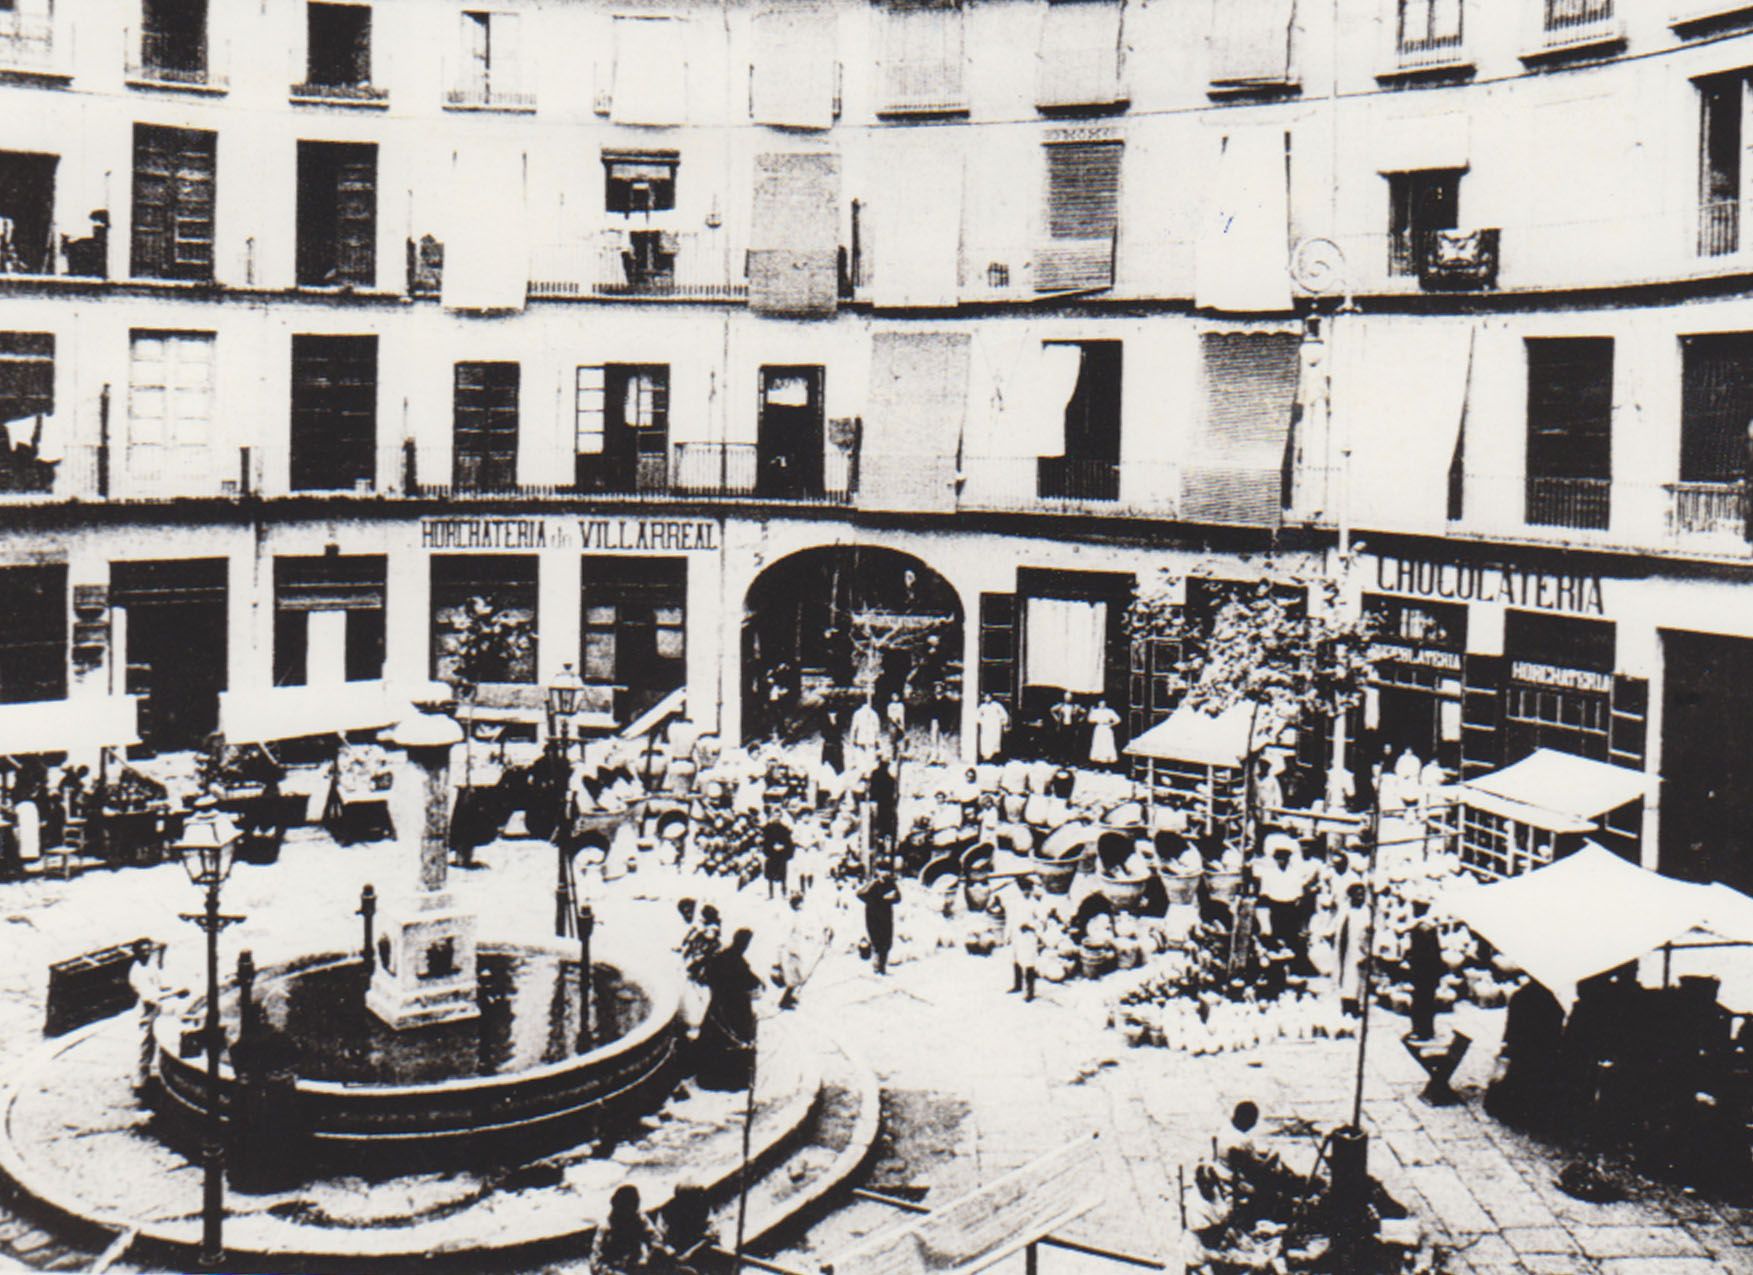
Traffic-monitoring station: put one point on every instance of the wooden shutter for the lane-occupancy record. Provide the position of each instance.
(1482, 715)
(27, 374)
(153, 198)
(1236, 472)
(356, 215)
(1716, 404)
(998, 648)
(334, 411)
(485, 454)
(174, 175)
(192, 217)
(1083, 213)
(1570, 407)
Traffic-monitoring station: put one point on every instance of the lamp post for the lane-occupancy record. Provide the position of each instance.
(565, 694)
(206, 850)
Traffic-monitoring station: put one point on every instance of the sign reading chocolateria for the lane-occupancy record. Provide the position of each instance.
(1495, 582)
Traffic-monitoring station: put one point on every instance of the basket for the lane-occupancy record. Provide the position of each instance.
(1181, 887)
(1055, 875)
(1126, 893)
(1223, 886)
(1096, 960)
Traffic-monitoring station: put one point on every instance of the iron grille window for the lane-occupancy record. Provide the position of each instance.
(175, 183)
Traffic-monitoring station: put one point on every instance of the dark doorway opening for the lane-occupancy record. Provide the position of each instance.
(175, 646)
(635, 629)
(789, 442)
(1707, 758)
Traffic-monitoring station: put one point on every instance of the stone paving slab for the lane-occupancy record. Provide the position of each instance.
(1601, 1242)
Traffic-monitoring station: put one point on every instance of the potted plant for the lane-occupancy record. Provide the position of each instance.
(486, 641)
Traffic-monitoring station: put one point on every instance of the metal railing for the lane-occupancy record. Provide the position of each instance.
(26, 44)
(1583, 503)
(929, 87)
(484, 93)
(311, 91)
(1707, 510)
(1568, 22)
(689, 265)
(1413, 52)
(1062, 484)
(1719, 227)
(171, 60)
(1454, 260)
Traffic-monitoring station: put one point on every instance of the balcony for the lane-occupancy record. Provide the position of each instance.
(657, 264)
(1582, 503)
(361, 95)
(1445, 260)
(1719, 227)
(27, 48)
(1708, 512)
(929, 87)
(1707, 17)
(485, 93)
(1414, 54)
(1069, 485)
(1574, 28)
(166, 60)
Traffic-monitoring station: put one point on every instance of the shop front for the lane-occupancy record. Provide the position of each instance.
(1418, 658)
(173, 625)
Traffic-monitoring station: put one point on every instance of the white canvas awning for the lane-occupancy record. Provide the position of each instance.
(1555, 791)
(68, 725)
(1190, 735)
(1591, 912)
(292, 712)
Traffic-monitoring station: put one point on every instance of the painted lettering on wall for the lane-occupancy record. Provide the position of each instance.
(483, 533)
(646, 535)
(1570, 679)
(1424, 657)
(1491, 582)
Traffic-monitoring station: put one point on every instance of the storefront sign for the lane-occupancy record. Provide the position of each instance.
(645, 535)
(1491, 582)
(1570, 679)
(1424, 657)
(594, 535)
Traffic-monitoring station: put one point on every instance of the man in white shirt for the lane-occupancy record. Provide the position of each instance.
(1022, 932)
(146, 979)
(1284, 886)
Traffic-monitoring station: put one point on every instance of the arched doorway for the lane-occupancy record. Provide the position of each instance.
(824, 628)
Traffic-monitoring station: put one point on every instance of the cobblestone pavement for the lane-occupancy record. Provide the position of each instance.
(977, 1082)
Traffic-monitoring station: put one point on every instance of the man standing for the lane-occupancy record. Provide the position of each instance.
(991, 722)
(1424, 967)
(879, 896)
(146, 978)
(1284, 886)
(1022, 931)
(867, 727)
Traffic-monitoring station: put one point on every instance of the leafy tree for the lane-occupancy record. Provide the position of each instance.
(486, 644)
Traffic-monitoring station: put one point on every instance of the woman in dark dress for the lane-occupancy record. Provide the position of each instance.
(879, 896)
(727, 1039)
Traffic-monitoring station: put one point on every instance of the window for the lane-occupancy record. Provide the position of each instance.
(328, 619)
(1429, 26)
(634, 632)
(175, 181)
(477, 594)
(492, 62)
(173, 40)
(337, 214)
(639, 181)
(1419, 203)
(650, 84)
(1251, 46)
(484, 454)
(1083, 216)
(922, 58)
(1570, 431)
(1716, 405)
(1719, 165)
(339, 45)
(622, 413)
(27, 213)
(170, 407)
(27, 395)
(27, 34)
(33, 634)
(1079, 64)
(1089, 468)
(1239, 470)
(1560, 689)
(1564, 16)
(334, 412)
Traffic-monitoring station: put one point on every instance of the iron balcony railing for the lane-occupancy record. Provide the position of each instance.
(1574, 22)
(687, 265)
(1414, 51)
(929, 86)
(484, 93)
(309, 91)
(1719, 227)
(1714, 510)
(1584, 503)
(1446, 260)
(171, 60)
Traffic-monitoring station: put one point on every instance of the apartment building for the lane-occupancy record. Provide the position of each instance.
(718, 341)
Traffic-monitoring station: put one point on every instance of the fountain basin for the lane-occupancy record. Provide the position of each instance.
(506, 1087)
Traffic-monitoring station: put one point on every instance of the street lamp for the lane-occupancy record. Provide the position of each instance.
(206, 850)
(565, 695)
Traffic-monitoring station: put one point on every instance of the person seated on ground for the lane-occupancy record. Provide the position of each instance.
(1261, 1184)
(627, 1243)
(688, 1233)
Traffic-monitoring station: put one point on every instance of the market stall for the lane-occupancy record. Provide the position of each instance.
(1540, 809)
(1196, 763)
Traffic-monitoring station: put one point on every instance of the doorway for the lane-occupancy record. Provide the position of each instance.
(174, 646)
(1707, 741)
(635, 628)
(789, 443)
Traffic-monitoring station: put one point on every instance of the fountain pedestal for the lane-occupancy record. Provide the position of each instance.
(425, 970)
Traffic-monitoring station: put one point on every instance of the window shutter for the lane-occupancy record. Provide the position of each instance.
(27, 374)
(998, 648)
(588, 410)
(192, 224)
(1236, 471)
(334, 412)
(1083, 211)
(1080, 55)
(1716, 406)
(154, 196)
(356, 216)
(923, 57)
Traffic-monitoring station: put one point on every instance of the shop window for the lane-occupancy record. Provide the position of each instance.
(639, 181)
(1716, 404)
(27, 400)
(328, 612)
(485, 412)
(1560, 688)
(337, 214)
(1083, 216)
(339, 48)
(170, 407)
(1420, 203)
(175, 181)
(173, 40)
(473, 594)
(27, 213)
(1570, 431)
(334, 412)
(33, 634)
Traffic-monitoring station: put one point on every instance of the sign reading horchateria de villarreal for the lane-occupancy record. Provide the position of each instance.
(1491, 582)
(593, 535)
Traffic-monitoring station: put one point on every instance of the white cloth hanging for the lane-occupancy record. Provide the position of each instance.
(1065, 644)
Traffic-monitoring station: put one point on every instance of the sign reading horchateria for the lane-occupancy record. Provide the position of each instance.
(1491, 582)
(593, 535)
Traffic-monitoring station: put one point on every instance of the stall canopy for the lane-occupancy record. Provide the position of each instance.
(1555, 791)
(1592, 912)
(1189, 735)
